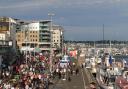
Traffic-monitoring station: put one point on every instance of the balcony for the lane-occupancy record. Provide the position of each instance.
(44, 30)
(44, 42)
(45, 33)
(43, 38)
(4, 43)
(43, 26)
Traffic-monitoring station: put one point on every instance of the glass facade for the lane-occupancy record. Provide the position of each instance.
(44, 34)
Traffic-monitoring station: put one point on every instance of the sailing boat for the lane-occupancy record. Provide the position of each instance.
(105, 71)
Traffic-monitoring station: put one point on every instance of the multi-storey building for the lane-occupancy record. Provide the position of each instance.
(7, 40)
(7, 33)
(57, 37)
(27, 35)
(38, 36)
(44, 35)
(33, 35)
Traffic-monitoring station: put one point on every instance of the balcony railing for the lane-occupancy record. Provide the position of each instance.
(4, 43)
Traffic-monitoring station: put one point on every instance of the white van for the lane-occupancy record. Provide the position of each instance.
(64, 61)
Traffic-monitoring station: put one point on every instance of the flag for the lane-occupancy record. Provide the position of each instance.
(124, 63)
(110, 60)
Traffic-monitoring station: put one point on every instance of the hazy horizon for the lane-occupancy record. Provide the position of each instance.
(81, 19)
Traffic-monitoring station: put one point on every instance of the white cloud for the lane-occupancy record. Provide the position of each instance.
(26, 4)
(55, 3)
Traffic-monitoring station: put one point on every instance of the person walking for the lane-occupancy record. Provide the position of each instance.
(77, 71)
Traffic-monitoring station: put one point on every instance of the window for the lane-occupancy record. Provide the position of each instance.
(18, 39)
(18, 35)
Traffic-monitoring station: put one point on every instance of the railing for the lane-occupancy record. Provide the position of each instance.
(93, 79)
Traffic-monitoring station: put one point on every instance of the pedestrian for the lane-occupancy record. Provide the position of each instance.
(71, 71)
(77, 71)
(59, 75)
(82, 66)
(57, 71)
(69, 78)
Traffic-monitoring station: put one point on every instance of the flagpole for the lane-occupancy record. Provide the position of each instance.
(51, 39)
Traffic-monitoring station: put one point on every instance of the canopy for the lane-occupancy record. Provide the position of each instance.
(37, 49)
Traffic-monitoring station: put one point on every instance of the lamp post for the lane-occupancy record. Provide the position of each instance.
(51, 59)
(26, 39)
(25, 26)
(62, 40)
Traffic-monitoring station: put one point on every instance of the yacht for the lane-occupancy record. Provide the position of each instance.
(121, 81)
(106, 73)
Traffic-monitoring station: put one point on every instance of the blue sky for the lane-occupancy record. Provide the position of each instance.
(81, 19)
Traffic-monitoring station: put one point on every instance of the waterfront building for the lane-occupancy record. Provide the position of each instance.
(44, 35)
(27, 35)
(57, 37)
(7, 33)
(38, 36)
(7, 40)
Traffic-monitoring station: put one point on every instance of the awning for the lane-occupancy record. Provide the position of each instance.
(37, 50)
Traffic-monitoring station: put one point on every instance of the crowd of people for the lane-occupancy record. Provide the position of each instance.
(26, 73)
(66, 72)
(29, 72)
(33, 73)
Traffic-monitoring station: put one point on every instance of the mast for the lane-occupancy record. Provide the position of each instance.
(103, 35)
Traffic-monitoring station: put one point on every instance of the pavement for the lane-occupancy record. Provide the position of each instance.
(79, 81)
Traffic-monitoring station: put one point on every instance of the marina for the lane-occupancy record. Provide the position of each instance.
(63, 44)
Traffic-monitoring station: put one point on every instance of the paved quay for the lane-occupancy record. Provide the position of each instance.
(79, 81)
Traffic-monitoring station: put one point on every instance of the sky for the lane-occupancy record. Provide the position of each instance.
(81, 19)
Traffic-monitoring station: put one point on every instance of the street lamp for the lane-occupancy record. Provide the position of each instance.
(51, 59)
(26, 40)
(25, 27)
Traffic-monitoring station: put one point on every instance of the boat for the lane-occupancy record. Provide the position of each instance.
(93, 66)
(121, 81)
(106, 73)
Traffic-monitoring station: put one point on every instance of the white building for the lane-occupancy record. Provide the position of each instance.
(8, 30)
(37, 34)
(57, 36)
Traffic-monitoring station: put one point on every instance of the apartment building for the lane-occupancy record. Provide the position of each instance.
(27, 35)
(44, 35)
(7, 33)
(33, 35)
(57, 37)
(7, 40)
(38, 36)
